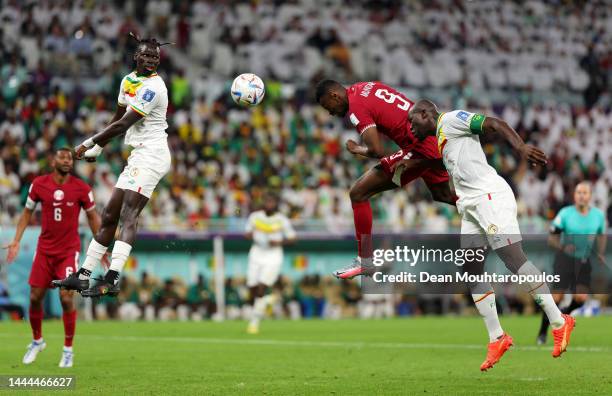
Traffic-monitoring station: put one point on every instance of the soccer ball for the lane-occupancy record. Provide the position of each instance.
(248, 89)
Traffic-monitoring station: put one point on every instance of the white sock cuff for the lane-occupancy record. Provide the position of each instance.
(478, 298)
(121, 248)
(96, 250)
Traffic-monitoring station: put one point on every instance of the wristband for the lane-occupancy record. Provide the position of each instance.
(89, 143)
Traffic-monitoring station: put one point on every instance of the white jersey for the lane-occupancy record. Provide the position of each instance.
(463, 157)
(147, 96)
(266, 229)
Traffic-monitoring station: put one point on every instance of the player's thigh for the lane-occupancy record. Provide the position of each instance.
(133, 203)
(66, 265)
(42, 272)
(270, 271)
(373, 182)
(112, 209)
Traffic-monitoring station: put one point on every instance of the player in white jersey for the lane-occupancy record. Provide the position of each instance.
(488, 211)
(269, 230)
(141, 116)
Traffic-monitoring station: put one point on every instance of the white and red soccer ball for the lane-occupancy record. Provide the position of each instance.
(248, 89)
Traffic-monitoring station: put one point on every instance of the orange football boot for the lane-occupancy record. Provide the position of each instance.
(562, 336)
(496, 351)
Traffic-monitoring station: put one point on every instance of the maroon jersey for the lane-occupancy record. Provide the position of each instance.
(61, 205)
(373, 104)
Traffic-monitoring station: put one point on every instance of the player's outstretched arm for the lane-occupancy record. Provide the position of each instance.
(97, 142)
(532, 154)
(372, 146)
(13, 247)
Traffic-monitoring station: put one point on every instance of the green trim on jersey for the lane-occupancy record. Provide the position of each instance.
(476, 123)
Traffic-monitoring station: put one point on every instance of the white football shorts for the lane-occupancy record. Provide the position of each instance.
(145, 168)
(490, 218)
(264, 266)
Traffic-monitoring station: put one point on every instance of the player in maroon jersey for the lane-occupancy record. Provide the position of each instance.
(62, 196)
(375, 108)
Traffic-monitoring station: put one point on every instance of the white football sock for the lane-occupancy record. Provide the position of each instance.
(121, 252)
(95, 251)
(485, 303)
(259, 310)
(541, 294)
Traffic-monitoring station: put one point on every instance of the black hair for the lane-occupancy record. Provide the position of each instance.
(148, 41)
(324, 87)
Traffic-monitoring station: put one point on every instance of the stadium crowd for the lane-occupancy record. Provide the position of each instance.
(63, 62)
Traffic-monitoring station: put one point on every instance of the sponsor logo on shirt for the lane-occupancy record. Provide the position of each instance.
(57, 203)
(70, 203)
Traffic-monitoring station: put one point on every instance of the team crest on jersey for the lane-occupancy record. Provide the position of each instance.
(492, 229)
(58, 195)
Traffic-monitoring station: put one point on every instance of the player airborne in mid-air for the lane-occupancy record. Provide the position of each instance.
(141, 116)
(62, 196)
(488, 212)
(374, 108)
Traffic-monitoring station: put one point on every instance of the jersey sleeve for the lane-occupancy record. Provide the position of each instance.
(558, 224)
(601, 229)
(121, 99)
(87, 199)
(145, 100)
(361, 118)
(33, 196)
(464, 123)
(249, 224)
(288, 231)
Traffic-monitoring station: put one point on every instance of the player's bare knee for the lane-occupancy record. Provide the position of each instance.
(36, 299)
(67, 302)
(108, 219)
(512, 256)
(357, 194)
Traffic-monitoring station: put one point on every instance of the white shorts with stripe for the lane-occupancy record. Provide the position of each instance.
(145, 168)
(489, 219)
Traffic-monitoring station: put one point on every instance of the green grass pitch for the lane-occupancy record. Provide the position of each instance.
(315, 357)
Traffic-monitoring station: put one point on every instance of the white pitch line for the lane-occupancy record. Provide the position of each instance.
(297, 343)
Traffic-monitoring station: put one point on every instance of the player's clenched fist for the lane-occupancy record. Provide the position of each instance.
(88, 150)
